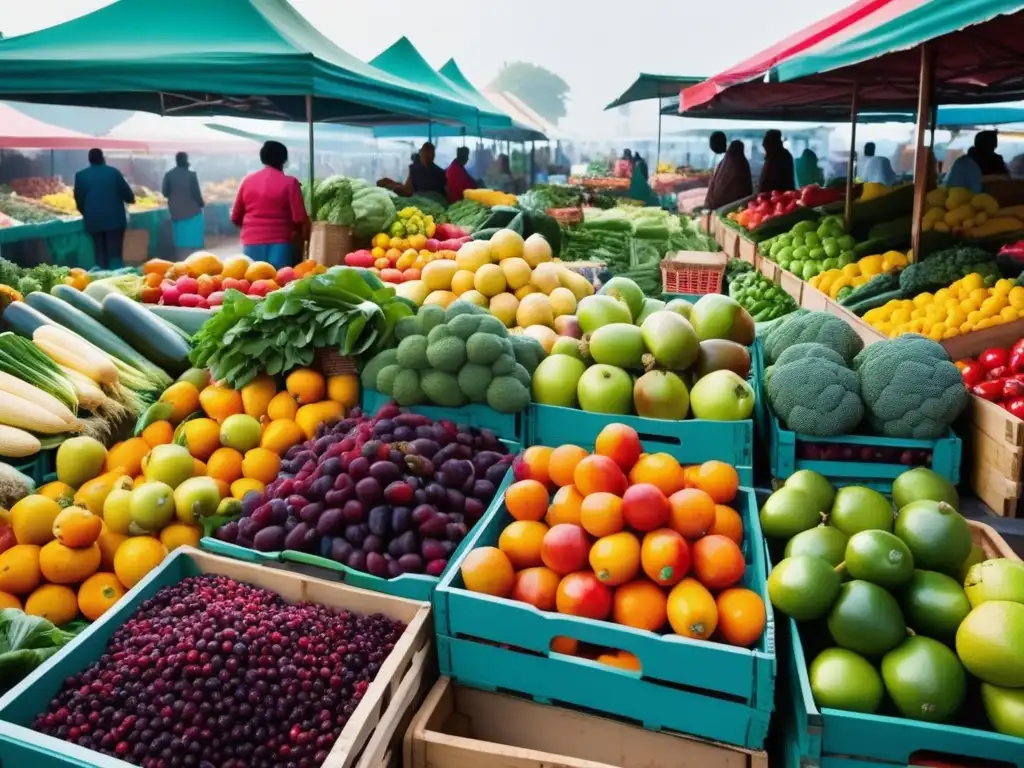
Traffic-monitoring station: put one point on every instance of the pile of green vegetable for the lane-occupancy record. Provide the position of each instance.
(352, 203)
(823, 382)
(24, 211)
(945, 267)
(28, 641)
(429, 204)
(345, 308)
(760, 296)
(453, 357)
(41, 277)
(541, 197)
(468, 214)
(736, 267)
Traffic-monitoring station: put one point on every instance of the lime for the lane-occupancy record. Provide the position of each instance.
(866, 619)
(842, 679)
(924, 679)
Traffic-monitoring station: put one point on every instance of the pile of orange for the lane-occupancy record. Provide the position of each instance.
(624, 536)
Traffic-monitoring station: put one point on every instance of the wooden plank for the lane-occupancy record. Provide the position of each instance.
(730, 242)
(996, 422)
(998, 492)
(747, 250)
(461, 727)
(792, 285)
(976, 342)
(992, 544)
(1002, 458)
(868, 334)
(813, 299)
(769, 269)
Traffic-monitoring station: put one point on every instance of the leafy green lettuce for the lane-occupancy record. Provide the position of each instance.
(26, 642)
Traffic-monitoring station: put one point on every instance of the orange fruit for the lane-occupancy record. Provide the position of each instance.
(108, 543)
(620, 659)
(261, 464)
(8, 600)
(619, 443)
(582, 594)
(280, 435)
(488, 570)
(717, 562)
(521, 542)
(282, 406)
(527, 500)
(202, 437)
(691, 610)
(562, 463)
(536, 586)
(53, 602)
(19, 569)
(64, 565)
(128, 455)
(306, 385)
(565, 548)
(225, 465)
(220, 402)
(137, 557)
(665, 556)
(98, 594)
(76, 527)
(60, 492)
(640, 604)
(181, 535)
(158, 433)
(741, 616)
(183, 398)
(596, 474)
(660, 470)
(692, 512)
(241, 487)
(601, 514)
(615, 559)
(690, 475)
(565, 506)
(727, 523)
(344, 389)
(566, 645)
(532, 464)
(719, 480)
(198, 468)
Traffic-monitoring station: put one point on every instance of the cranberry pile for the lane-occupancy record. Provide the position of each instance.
(387, 495)
(214, 673)
(869, 454)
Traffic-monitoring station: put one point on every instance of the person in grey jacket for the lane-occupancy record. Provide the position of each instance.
(185, 204)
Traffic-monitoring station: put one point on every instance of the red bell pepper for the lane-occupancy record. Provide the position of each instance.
(1016, 361)
(1016, 407)
(993, 357)
(997, 373)
(1012, 389)
(973, 372)
(988, 390)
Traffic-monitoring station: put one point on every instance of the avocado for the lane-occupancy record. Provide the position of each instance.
(937, 535)
(879, 557)
(934, 604)
(825, 542)
(866, 619)
(803, 587)
(924, 679)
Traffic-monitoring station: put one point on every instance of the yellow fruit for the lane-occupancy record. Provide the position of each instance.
(504, 307)
(225, 465)
(441, 298)
(181, 535)
(506, 244)
(19, 569)
(305, 385)
(244, 485)
(94, 493)
(438, 275)
(475, 297)
(117, 509)
(220, 402)
(76, 527)
(9, 601)
(545, 278)
(137, 557)
(257, 394)
(490, 280)
(80, 459)
(32, 519)
(261, 464)
(64, 494)
(108, 542)
(462, 281)
(535, 309)
(526, 290)
(53, 602)
(473, 255)
(127, 455)
(412, 290)
(563, 302)
(281, 435)
(64, 565)
(183, 398)
(344, 389)
(282, 406)
(202, 437)
(98, 594)
(158, 433)
(517, 272)
(312, 416)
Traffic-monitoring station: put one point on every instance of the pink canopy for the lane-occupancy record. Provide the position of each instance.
(18, 130)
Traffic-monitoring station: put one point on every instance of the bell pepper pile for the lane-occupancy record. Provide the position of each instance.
(997, 375)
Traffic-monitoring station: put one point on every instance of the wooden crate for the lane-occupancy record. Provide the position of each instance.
(812, 299)
(747, 250)
(730, 241)
(995, 445)
(792, 285)
(991, 543)
(867, 333)
(769, 269)
(381, 709)
(461, 727)
(329, 243)
(976, 342)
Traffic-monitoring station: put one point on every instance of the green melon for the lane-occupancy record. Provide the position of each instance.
(787, 512)
(999, 579)
(990, 643)
(815, 485)
(920, 484)
(1004, 708)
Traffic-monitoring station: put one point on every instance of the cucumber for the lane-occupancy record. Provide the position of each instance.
(486, 234)
(23, 320)
(188, 319)
(147, 333)
(861, 307)
(96, 333)
(79, 300)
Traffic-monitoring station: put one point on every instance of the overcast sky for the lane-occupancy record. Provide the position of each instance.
(598, 48)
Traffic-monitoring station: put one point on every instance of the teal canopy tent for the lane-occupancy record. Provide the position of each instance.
(648, 86)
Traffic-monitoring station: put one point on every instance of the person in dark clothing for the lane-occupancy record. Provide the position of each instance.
(777, 171)
(424, 176)
(731, 180)
(185, 204)
(985, 155)
(718, 144)
(101, 194)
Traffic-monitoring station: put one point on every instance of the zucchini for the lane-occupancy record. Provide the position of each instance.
(23, 319)
(188, 319)
(79, 300)
(516, 225)
(486, 234)
(96, 333)
(500, 217)
(874, 302)
(147, 333)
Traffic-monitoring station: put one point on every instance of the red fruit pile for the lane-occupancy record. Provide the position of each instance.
(387, 495)
(214, 672)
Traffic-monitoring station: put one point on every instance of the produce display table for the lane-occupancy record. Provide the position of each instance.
(218, 219)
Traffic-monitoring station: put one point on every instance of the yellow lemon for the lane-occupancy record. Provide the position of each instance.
(462, 281)
(180, 535)
(923, 299)
(1009, 314)
(137, 557)
(950, 333)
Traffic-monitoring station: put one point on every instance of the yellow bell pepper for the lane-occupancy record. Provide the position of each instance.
(894, 260)
(998, 226)
(958, 196)
(842, 282)
(985, 202)
(958, 215)
(851, 270)
(871, 265)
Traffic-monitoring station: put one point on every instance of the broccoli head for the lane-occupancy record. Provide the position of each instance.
(385, 383)
(504, 365)
(412, 353)
(521, 374)
(368, 378)
(474, 380)
(528, 351)
(814, 396)
(491, 324)
(442, 388)
(406, 388)
(909, 392)
(819, 327)
(438, 332)
(464, 326)
(907, 343)
(457, 308)
(447, 354)
(484, 349)
(506, 394)
(407, 326)
(809, 349)
(430, 316)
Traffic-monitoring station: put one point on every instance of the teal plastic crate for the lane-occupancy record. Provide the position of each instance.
(832, 738)
(692, 441)
(40, 468)
(413, 586)
(703, 688)
(508, 426)
(784, 448)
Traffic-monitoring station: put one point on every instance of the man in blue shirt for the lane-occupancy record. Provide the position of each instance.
(875, 169)
(101, 194)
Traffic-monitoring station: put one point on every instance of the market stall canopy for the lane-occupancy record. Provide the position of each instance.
(734, 92)
(248, 58)
(647, 87)
(180, 134)
(978, 50)
(518, 131)
(403, 60)
(522, 113)
(328, 137)
(19, 131)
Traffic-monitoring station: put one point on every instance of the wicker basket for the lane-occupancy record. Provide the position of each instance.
(136, 246)
(566, 216)
(329, 243)
(693, 272)
(331, 363)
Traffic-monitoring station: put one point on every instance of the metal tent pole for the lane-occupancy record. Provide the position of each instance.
(533, 167)
(848, 207)
(309, 120)
(922, 156)
(657, 158)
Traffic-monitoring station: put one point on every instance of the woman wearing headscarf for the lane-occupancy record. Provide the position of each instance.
(639, 186)
(777, 171)
(732, 180)
(270, 210)
(807, 170)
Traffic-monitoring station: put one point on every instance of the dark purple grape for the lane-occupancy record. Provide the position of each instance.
(424, 432)
(444, 454)
(377, 565)
(340, 550)
(359, 468)
(337, 498)
(296, 538)
(407, 543)
(353, 511)
(323, 443)
(300, 459)
(371, 449)
(373, 543)
(331, 522)
(495, 474)
(419, 465)
(410, 563)
(483, 490)
(248, 528)
(394, 570)
(449, 547)
(409, 419)
(311, 513)
(465, 437)
(344, 483)
(324, 550)
(431, 549)
(290, 523)
(385, 472)
(456, 531)
(401, 519)
(321, 486)
(331, 466)
(456, 500)
(424, 447)
(356, 559)
(436, 567)
(379, 520)
(395, 547)
(228, 532)
(435, 493)
(455, 472)
(435, 526)
(292, 452)
(483, 460)
(261, 516)
(396, 457)
(419, 496)
(369, 491)
(404, 434)
(250, 501)
(422, 513)
(383, 427)
(474, 510)
(398, 493)
(355, 534)
(464, 452)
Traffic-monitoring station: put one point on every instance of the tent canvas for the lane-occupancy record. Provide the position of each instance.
(174, 134)
(522, 113)
(328, 137)
(248, 58)
(647, 87)
(19, 131)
